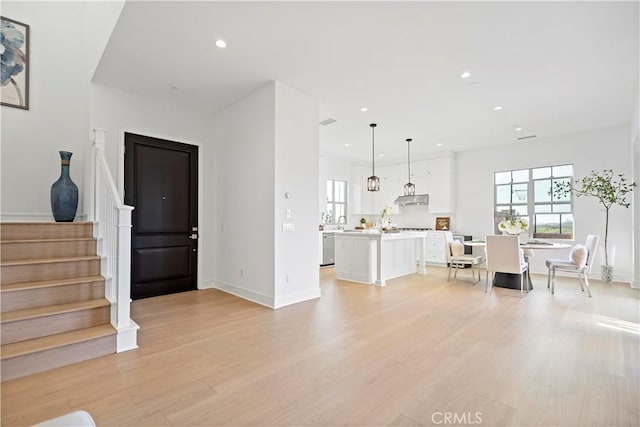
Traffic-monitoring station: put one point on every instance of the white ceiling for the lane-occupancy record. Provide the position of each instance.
(555, 67)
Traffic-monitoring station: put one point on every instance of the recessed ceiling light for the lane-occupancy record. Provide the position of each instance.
(346, 145)
(381, 155)
(363, 109)
(439, 145)
(221, 43)
(517, 128)
(497, 108)
(465, 75)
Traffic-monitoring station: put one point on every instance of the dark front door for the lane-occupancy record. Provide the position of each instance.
(161, 182)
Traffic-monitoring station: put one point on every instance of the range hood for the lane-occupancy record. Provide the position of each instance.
(418, 199)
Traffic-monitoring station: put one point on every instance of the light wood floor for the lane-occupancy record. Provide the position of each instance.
(407, 354)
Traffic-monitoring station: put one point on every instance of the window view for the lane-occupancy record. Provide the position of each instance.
(336, 212)
(527, 194)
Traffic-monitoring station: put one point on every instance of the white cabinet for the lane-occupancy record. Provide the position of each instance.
(356, 258)
(437, 245)
(435, 166)
(355, 193)
(365, 202)
(362, 201)
(389, 192)
(434, 177)
(374, 258)
(388, 173)
(390, 188)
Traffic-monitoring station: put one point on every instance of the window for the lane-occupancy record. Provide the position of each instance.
(336, 202)
(527, 193)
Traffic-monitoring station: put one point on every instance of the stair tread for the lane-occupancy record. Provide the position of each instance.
(29, 313)
(48, 260)
(53, 239)
(50, 283)
(53, 341)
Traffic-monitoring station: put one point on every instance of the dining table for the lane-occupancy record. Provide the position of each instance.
(512, 281)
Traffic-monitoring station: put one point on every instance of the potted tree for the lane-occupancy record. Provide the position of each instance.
(610, 189)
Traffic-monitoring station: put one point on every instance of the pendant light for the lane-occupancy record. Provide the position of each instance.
(373, 182)
(409, 188)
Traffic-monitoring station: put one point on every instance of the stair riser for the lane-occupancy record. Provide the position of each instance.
(49, 271)
(55, 249)
(55, 324)
(40, 297)
(20, 366)
(20, 231)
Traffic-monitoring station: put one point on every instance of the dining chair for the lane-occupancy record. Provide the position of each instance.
(579, 262)
(505, 256)
(458, 259)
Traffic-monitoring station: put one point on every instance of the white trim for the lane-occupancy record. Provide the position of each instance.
(126, 338)
(262, 299)
(27, 217)
(296, 297)
(208, 284)
(252, 296)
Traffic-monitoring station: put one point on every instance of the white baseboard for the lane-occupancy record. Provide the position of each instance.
(243, 293)
(261, 299)
(127, 337)
(33, 217)
(282, 301)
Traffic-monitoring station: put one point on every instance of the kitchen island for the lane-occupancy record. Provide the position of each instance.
(373, 257)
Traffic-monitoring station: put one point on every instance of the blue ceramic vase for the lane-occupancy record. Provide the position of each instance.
(64, 193)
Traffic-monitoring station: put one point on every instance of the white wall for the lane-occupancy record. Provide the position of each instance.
(635, 208)
(62, 60)
(58, 113)
(296, 172)
(419, 216)
(602, 149)
(118, 112)
(241, 199)
(265, 146)
(100, 18)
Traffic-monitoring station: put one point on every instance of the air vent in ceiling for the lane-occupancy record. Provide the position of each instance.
(327, 121)
(522, 138)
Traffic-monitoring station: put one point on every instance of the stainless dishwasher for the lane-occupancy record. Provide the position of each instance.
(328, 249)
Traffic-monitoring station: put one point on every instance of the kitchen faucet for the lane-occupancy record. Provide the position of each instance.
(340, 221)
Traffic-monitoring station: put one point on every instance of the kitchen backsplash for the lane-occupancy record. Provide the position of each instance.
(409, 216)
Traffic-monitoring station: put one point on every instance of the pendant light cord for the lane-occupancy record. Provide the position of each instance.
(409, 159)
(373, 148)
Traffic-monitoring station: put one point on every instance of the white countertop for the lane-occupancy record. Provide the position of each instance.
(384, 236)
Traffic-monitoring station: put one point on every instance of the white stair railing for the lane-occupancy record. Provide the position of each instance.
(113, 220)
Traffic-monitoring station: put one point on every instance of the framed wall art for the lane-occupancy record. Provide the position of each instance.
(442, 223)
(14, 53)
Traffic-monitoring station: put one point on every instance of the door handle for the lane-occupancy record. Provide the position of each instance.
(194, 236)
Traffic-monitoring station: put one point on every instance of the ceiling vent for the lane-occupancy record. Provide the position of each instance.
(327, 121)
(522, 138)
